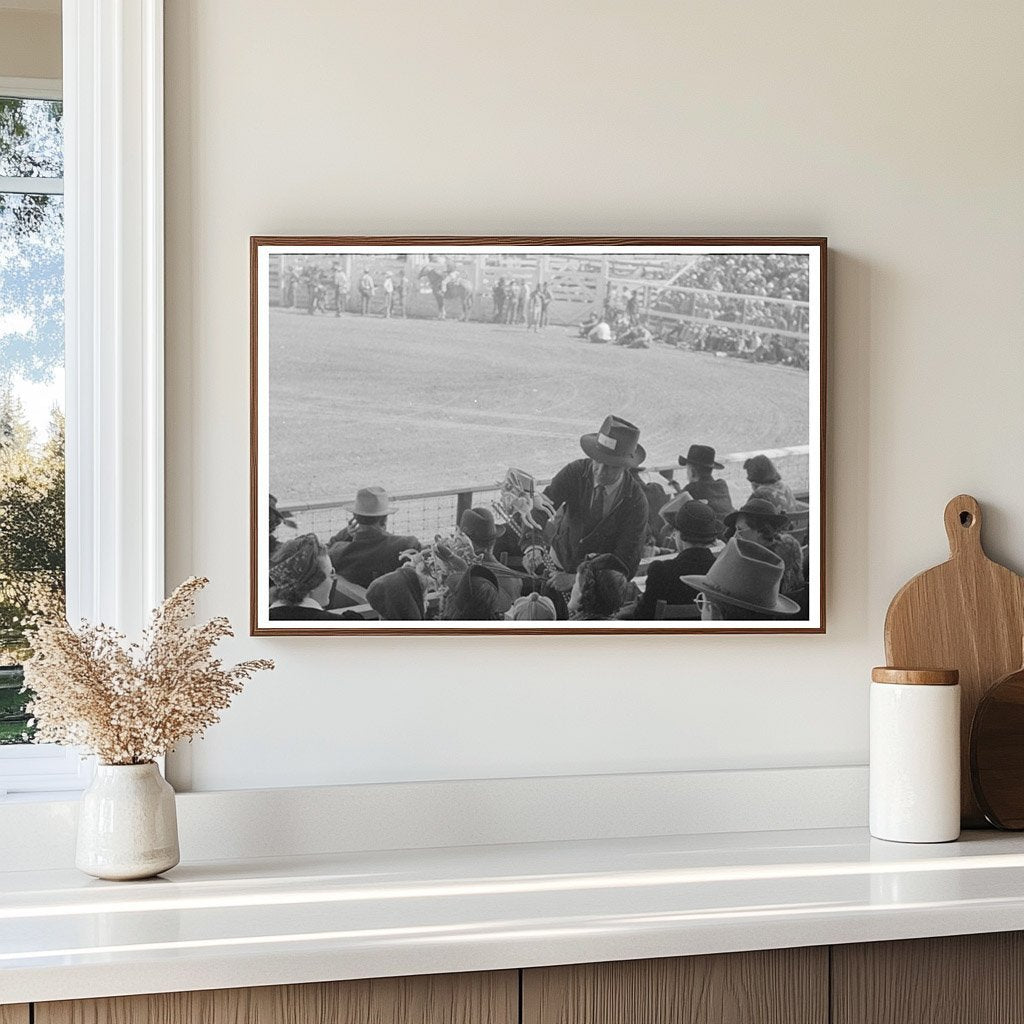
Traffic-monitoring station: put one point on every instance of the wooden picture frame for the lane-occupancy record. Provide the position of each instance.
(325, 353)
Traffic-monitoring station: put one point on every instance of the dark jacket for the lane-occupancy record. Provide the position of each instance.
(366, 552)
(510, 582)
(577, 534)
(664, 584)
(714, 492)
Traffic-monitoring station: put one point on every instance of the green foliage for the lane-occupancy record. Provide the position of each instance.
(14, 719)
(31, 525)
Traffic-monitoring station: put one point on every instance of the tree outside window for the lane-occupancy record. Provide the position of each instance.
(31, 386)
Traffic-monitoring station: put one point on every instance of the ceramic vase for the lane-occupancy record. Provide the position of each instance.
(127, 825)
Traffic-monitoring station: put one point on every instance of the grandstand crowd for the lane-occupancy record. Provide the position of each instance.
(730, 305)
(602, 541)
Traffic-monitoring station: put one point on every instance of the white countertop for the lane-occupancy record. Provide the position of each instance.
(297, 919)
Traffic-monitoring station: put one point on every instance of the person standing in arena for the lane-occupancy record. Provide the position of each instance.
(521, 299)
(366, 290)
(545, 303)
(389, 294)
(498, 295)
(400, 287)
(317, 291)
(633, 307)
(291, 279)
(340, 289)
(533, 309)
(512, 291)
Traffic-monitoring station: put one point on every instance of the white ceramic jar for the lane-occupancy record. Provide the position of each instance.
(915, 755)
(127, 823)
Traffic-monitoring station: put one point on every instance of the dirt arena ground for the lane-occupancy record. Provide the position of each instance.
(421, 405)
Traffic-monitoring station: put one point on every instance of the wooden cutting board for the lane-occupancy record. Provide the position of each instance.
(967, 614)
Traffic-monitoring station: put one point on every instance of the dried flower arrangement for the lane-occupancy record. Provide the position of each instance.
(128, 704)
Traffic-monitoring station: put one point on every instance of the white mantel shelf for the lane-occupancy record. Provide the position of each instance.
(228, 924)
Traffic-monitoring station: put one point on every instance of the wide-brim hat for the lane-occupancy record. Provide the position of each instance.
(748, 576)
(696, 522)
(371, 501)
(702, 455)
(617, 443)
(479, 526)
(758, 508)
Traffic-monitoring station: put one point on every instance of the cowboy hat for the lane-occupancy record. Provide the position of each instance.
(371, 501)
(758, 508)
(696, 522)
(700, 455)
(479, 526)
(746, 575)
(617, 443)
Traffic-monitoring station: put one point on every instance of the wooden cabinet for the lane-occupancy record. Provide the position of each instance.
(778, 986)
(968, 979)
(962, 979)
(491, 998)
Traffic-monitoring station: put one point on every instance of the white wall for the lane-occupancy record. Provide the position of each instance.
(895, 129)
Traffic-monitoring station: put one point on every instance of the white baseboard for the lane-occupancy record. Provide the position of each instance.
(291, 822)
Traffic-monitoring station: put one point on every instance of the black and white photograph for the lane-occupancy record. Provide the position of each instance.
(527, 435)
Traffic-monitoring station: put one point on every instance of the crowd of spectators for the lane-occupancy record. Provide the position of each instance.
(765, 293)
(603, 541)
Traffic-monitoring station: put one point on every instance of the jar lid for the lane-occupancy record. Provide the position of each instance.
(916, 676)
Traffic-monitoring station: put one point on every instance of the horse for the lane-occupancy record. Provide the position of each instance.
(444, 288)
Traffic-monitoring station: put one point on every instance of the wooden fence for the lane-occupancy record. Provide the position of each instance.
(426, 513)
(579, 284)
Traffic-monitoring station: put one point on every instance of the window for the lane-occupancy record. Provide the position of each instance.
(32, 531)
(112, 212)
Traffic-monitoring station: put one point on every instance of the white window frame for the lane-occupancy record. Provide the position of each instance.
(114, 265)
(37, 767)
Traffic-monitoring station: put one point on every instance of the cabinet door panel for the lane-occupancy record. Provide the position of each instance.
(960, 979)
(779, 986)
(14, 1014)
(483, 998)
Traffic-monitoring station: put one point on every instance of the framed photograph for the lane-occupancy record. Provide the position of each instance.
(537, 435)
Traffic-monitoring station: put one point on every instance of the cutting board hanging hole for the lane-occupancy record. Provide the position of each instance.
(963, 526)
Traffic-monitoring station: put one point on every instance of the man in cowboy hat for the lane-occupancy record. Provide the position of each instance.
(365, 550)
(701, 485)
(601, 505)
(743, 584)
(480, 528)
